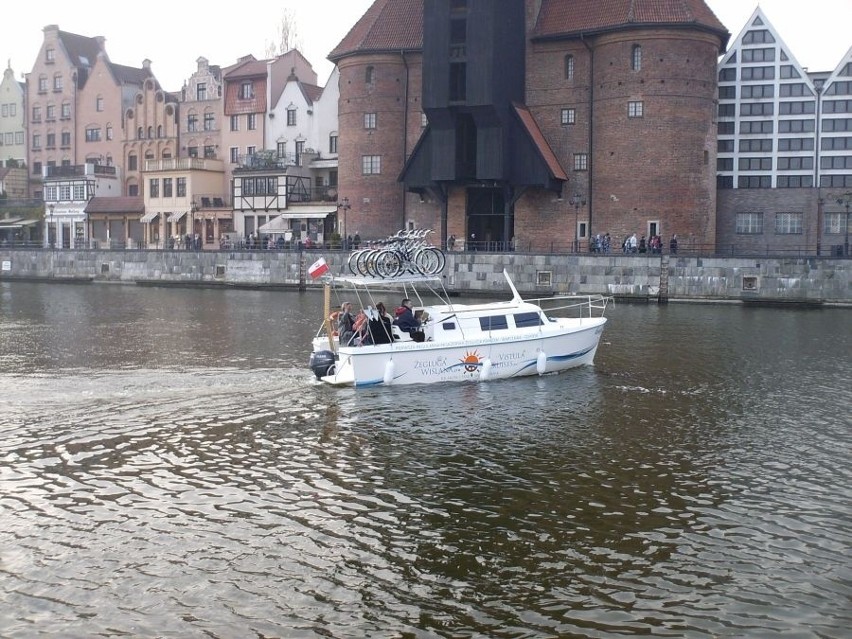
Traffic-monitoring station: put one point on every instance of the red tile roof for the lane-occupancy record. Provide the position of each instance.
(540, 142)
(573, 17)
(388, 25)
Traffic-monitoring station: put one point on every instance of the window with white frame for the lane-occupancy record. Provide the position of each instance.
(234, 154)
(42, 84)
(201, 91)
(635, 109)
(581, 161)
(154, 187)
(836, 223)
(569, 67)
(79, 192)
(251, 121)
(93, 134)
(57, 82)
(291, 116)
(568, 116)
(235, 123)
(371, 164)
(50, 55)
(99, 103)
(788, 223)
(209, 121)
(66, 111)
(65, 192)
(246, 91)
(281, 149)
(636, 58)
(50, 194)
(749, 224)
(369, 120)
(332, 143)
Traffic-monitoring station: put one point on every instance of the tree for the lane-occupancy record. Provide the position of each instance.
(287, 36)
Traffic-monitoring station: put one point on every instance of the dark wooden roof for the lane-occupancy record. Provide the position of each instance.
(388, 25)
(565, 18)
(124, 204)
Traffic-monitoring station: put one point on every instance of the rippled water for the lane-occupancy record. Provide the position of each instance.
(169, 468)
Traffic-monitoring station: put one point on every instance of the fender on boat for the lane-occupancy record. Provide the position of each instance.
(389, 372)
(541, 363)
(485, 371)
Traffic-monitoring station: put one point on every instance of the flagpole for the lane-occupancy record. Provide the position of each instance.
(326, 305)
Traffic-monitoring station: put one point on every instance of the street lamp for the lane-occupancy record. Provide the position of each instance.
(50, 234)
(577, 201)
(344, 206)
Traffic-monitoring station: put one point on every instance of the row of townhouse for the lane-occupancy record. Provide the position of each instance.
(234, 149)
(752, 152)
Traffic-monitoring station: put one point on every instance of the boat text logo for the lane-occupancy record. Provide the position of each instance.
(471, 361)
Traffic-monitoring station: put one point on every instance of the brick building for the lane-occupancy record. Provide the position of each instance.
(539, 124)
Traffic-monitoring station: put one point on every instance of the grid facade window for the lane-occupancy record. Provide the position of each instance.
(369, 120)
(788, 223)
(581, 161)
(749, 223)
(635, 109)
(568, 116)
(291, 117)
(371, 164)
(154, 187)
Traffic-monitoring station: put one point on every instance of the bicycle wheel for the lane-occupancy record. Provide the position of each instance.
(388, 264)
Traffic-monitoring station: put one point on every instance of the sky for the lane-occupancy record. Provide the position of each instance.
(173, 34)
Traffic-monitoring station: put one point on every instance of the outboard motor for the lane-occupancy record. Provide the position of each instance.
(322, 363)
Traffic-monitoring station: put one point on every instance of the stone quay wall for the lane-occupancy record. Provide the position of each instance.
(802, 280)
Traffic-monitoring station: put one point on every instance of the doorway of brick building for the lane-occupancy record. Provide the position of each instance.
(487, 228)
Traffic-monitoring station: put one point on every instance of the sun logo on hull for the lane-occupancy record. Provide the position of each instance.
(471, 361)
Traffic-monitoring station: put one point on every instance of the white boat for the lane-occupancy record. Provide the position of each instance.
(460, 342)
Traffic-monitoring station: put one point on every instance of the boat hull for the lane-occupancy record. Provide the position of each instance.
(565, 344)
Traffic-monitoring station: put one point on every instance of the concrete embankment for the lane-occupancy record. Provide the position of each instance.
(768, 280)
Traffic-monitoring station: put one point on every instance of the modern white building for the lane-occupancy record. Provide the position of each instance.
(784, 163)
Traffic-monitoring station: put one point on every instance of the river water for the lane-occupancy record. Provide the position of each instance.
(169, 468)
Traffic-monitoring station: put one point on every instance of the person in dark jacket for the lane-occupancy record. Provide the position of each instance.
(345, 324)
(405, 318)
(380, 326)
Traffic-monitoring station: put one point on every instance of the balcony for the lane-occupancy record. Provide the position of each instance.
(79, 170)
(211, 201)
(184, 164)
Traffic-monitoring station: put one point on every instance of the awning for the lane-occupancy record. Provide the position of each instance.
(17, 223)
(148, 218)
(176, 217)
(280, 224)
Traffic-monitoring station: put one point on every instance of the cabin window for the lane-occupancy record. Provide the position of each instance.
(525, 320)
(493, 323)
(448, 326)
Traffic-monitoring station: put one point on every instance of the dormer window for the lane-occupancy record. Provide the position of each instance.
(246, 91)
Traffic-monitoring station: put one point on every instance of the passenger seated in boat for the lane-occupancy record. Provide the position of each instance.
(362, 333)
(380, 326)
(345, 324)
(406, 321)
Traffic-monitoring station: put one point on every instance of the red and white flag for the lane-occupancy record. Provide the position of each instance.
(318, 268)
